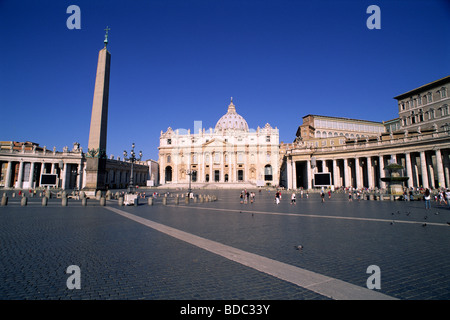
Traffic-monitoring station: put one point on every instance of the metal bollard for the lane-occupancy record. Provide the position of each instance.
(23, 201)
(186, 200)
(177, 200)
(44, 201)
(103, 201)
(164, 200)
(64, 202)
(120, 201)
(84, 202)
(150, 201)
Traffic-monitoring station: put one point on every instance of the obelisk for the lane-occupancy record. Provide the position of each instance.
(96, 155)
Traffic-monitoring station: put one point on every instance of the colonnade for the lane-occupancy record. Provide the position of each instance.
(27, 173)
(425, 168)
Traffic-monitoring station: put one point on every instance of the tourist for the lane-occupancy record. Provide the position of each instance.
(322, 195)
(277, 197)
(350, 196)
(427, 198)
(293, 198)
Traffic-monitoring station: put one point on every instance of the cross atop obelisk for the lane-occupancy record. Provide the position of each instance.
(106, 36)
(96, 157)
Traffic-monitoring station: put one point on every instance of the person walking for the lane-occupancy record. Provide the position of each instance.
(322, 194)
(293, 198)
(427, 198)
(277, 197)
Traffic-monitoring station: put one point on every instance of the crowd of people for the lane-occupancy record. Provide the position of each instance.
(441, 196)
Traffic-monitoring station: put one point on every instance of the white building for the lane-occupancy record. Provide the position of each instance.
(230, 155)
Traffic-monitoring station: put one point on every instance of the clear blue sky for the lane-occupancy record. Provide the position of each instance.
(175, 62)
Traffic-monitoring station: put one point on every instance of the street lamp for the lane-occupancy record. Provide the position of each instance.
(190, 173)
(131, 189)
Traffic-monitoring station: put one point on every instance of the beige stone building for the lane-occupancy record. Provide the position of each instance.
(425, 107)
(23, 164)
(419, 140)
(230, 155)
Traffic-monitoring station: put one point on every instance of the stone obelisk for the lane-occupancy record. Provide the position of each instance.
(96, 155)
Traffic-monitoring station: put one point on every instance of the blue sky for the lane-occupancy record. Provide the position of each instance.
(176, 62)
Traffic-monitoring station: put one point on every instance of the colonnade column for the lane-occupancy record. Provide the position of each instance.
(409, 170)
(20, 176)
(359, 184)
(31, 176)
(370, 173)
(309, 174)
(381, 168)
(335, 174)
(423, 167)
(289, 174)
(440, 171)
(294, 175)
(346, 175)
(8, 175)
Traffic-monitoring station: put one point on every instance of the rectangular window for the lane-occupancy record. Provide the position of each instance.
(169, 141)
(216, 175)
(267, 138)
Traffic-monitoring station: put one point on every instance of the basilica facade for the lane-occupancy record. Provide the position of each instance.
(230, 155)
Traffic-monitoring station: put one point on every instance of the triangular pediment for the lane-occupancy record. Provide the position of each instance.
(216, 143)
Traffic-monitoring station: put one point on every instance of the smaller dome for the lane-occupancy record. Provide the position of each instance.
(231, 120)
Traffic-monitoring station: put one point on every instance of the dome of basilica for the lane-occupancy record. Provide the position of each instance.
(231, 120)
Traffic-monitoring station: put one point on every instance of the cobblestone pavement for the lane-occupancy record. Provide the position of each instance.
(122, 259)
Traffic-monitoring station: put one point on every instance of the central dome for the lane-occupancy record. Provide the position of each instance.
(231, 120)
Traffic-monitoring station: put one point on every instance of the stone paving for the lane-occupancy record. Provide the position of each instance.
(122, 259)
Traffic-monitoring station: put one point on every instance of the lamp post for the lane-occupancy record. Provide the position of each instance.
(189, 173)
(131, 189)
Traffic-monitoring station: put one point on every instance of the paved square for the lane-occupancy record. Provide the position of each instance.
(225, 249)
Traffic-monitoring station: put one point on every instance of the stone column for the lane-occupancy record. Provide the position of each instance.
(8, 175)
(335, 176)
(346, 175)
(409, 169)
(446, 164)
(31, 181)
(64, 175)
(289, 173)
(381, 168)
(359, 184)
(309, 174)
(80, 176)
(423, 167)
(20, 176)
(370, 173)
(430, 170)
(294, 175)
(440, 169)
(211, 177)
